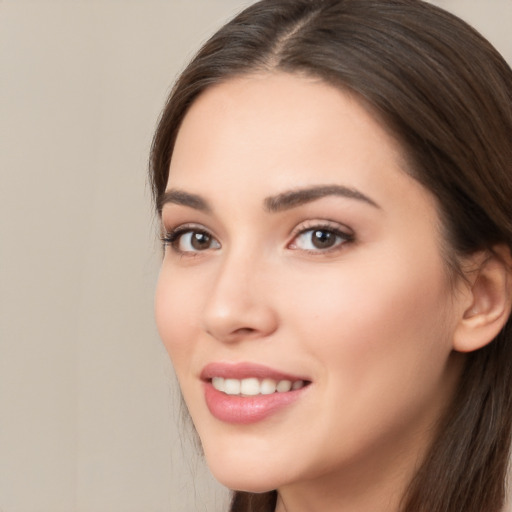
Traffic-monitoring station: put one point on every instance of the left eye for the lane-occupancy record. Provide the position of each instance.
(319, 239)
(191, 240)
(196, 241)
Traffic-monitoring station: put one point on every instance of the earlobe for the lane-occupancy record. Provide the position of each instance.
(489, 300)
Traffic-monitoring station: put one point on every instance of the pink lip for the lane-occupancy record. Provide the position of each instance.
(245, 410)
(245, 371)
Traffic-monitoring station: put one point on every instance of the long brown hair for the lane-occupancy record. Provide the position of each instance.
(446, 94)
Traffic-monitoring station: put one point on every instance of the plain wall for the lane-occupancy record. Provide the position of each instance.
(89, 417)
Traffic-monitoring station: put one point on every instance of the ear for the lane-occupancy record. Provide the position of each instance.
(487, 300)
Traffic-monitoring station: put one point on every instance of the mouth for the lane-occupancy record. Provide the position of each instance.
(246, 393)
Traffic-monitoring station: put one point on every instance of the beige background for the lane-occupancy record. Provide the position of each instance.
(88, 403)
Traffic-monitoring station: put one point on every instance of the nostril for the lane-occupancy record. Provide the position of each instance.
(244, 331)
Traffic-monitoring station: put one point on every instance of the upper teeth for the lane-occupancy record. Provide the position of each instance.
(253, 386)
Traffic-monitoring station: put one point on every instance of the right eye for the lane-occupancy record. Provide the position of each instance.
(190, 240)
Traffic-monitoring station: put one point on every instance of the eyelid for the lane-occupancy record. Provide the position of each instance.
(322, 224)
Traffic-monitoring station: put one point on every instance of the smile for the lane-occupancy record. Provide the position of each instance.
(244, 393)
(253, 386)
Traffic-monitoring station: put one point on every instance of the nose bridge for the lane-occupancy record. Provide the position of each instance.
(238, 305)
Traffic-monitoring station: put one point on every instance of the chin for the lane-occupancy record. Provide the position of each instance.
(244, 482)
(240, 472)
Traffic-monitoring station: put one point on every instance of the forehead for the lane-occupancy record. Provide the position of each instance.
(275, 124)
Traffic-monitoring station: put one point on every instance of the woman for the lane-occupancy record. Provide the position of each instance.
(334, 179)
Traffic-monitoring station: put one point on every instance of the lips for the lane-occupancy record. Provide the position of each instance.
(244, 371)
(246, 393)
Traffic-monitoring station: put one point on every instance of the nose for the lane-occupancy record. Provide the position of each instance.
(239, 304)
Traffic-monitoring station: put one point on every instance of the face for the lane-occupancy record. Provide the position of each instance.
(303, 297)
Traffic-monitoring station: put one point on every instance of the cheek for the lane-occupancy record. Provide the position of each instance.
(176, 316)
(380, 343)
(376, 329)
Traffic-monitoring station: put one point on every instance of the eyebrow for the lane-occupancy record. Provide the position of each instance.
(183, 198)
(283, 201)
(295, 198)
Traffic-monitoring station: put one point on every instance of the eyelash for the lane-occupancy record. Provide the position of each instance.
(172, 238)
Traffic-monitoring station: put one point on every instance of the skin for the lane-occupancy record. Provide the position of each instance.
(370, 321)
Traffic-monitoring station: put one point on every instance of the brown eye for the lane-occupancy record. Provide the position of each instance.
(200, 241)
(320, 239)
(190, 241)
